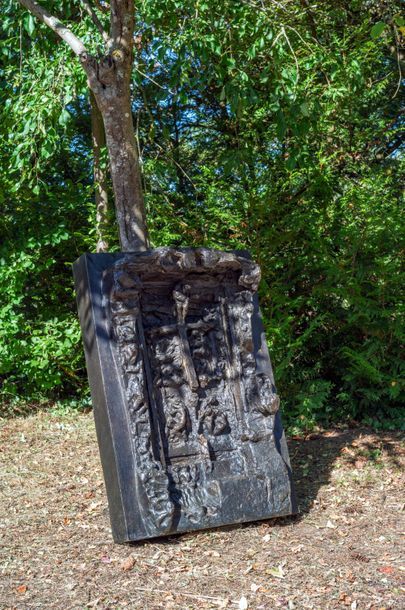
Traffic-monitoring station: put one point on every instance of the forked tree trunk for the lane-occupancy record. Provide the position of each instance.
(109, 77)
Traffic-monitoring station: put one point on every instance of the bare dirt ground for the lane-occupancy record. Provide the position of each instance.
(342, 551)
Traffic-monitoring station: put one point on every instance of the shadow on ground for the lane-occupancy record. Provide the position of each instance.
(313, 458)
(56, 551)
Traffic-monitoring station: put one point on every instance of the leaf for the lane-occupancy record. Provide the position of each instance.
(29, 24)
(330, 525)
(47, 150)
(243, 603)
(22, 589)
(377, 29)
(64, 117)
(305, 109)
(105, 559)
(128, 564)
(276, 572)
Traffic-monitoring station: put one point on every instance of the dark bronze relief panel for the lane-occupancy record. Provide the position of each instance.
(178, 334)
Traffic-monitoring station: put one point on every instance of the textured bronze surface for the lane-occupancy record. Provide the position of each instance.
(184, 399)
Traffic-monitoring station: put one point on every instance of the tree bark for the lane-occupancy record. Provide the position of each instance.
(116, 111)
(100, 175)
(109, 78)
(125, 175)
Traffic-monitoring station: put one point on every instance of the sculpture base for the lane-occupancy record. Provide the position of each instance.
(186, 412)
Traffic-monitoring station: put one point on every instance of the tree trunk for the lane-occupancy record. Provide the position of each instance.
(100, 175)
(125, 173)
(109, 77)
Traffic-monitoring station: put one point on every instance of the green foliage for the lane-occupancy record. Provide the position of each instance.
(47, 220)
(40, 352)
(262, 126)
(333, 311)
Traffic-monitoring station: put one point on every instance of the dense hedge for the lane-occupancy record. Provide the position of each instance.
(295, 157)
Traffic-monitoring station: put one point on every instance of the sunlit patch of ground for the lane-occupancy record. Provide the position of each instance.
(56, 551)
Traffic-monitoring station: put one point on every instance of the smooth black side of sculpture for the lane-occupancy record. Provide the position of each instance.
(186, 412)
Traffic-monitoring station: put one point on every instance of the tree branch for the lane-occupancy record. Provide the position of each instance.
(93, 15)
(122, 24)
(57, 26)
